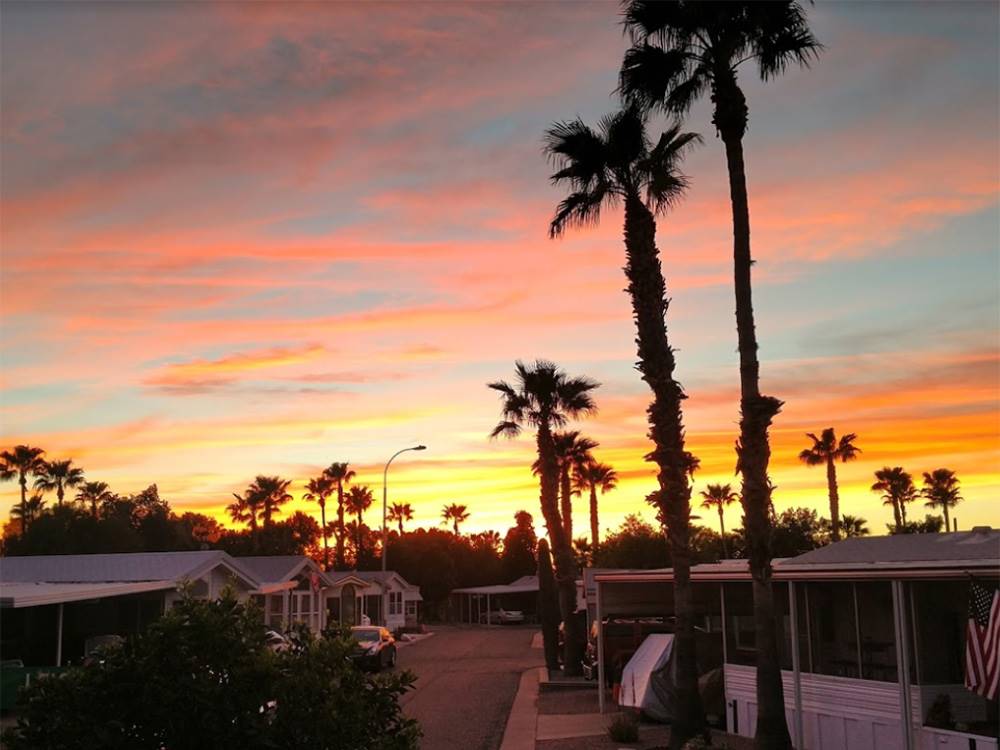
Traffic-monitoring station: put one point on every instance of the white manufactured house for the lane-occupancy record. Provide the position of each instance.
(52, 607)
(872, 631)
(369, 593)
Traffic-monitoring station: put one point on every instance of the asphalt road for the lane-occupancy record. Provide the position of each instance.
(466, 681)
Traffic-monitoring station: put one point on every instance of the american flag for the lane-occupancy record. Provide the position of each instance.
(982, 642)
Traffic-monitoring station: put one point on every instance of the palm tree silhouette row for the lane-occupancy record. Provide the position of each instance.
(617, 163)
(680, 50)
(826, 450)
(543, 397)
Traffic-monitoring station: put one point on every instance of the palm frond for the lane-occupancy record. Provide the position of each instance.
(649, 74)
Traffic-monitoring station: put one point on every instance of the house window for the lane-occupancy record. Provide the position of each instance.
(395, 602)
(411, 609)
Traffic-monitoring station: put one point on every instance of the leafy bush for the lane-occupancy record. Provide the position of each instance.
(624, 728)
(203, 677)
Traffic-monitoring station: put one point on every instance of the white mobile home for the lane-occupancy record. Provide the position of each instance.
(878, 627)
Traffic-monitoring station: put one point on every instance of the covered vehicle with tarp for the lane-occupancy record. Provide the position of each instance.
(648, 679)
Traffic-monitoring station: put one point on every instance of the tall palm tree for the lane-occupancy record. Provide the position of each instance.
(572, 450)
(19, 463)
(718, 496)
(544, 397)
(94, 494)
(358, 499)
(58, 475)
(896, 486)
(340, 474)
(827, 450)
(681, 49)
(618, 163)
(318, 490)
(272, 493)
(400, 512)
(941, 491)
(29, 511)
(456, 514)
(592, 476)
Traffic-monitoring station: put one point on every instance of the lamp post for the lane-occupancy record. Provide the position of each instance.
(385, 512)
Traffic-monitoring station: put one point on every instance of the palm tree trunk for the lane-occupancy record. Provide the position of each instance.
(23, 480)
(831, 482)
(947, 521)
(757, 411)
(902, 511)
(401, 526)
(594, 531)
(326, 546)
(897, 516)
(566, 501)
(357, 561)
(666, 429)
(722, 528)
(340, 526)
(565, 562)
(60, 491)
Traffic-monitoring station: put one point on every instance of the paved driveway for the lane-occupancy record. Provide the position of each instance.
(466, 681)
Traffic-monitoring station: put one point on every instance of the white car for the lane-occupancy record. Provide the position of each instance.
(502, 617)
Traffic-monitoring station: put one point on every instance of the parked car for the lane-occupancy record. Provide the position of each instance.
(502, 617)
(376, 648)
(622, 637)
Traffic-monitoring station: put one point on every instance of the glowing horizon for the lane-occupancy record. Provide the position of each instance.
(270, 240)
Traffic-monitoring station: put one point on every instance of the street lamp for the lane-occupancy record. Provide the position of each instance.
(385, 506)
(385, 495)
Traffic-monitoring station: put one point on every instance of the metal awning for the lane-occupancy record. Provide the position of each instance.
(16, 595)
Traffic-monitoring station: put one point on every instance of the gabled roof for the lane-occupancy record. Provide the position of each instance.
(116, 568)
(277, 568)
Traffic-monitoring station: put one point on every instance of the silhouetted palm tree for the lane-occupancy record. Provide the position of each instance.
(358, 499)
(341, 474)
(29, 511)
(717, 497)
(19, 463)
(273, 493)
(456, 514)
(896, 486)
(853, 526)
(681, 50)
(941, 491)
(400, 512)
(544, 397)
(618, 163)
(827, 450)
(59, 475)
(572, 450)
(590, 477)
(318, 490)
(94, 494)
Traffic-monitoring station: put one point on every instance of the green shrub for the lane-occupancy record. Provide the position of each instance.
(203, 677)
(624, 728)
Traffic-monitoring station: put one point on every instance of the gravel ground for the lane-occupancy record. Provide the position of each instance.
(467, 678)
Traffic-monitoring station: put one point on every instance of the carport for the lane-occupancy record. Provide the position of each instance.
(471, 600)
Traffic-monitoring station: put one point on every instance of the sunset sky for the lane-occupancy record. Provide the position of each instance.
(244, 238)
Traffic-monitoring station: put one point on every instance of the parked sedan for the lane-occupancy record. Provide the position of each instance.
(376, 648)
(502, 617)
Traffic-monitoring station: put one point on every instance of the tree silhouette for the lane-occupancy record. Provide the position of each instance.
(896, 486)
(853, 526)
(717, 497)
(455, 514)
(30, 510)
(572, 450)
(400, 512)
(58, 476)
(357, 500)
(680, 50)
(941, 491)
(318, 490)
(341, 474)
(590, 477)
(543, 398)
(94, 494)
(272, 493)
(618, 163)
(827, 450)
(20, 463)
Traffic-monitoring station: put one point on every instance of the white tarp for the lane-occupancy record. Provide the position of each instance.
(648, 677)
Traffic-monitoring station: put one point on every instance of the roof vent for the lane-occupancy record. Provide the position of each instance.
(981, 530)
